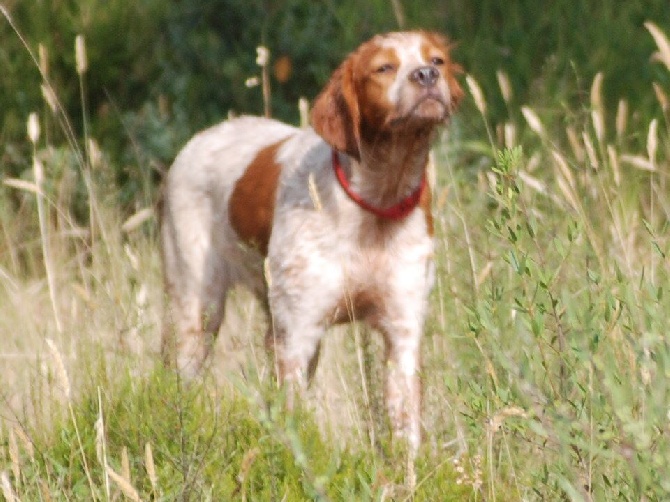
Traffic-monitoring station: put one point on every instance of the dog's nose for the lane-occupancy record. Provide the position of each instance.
(425, 76)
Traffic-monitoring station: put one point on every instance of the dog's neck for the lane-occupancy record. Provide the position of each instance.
(391, 166)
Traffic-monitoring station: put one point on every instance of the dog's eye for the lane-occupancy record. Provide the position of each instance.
(385, 68)
(437, 61)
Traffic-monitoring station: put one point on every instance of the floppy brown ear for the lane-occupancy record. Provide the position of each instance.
(335, 115)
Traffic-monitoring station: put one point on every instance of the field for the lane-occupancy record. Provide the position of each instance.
(546, 358)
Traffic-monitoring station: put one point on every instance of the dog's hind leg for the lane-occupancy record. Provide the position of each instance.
(197, 281)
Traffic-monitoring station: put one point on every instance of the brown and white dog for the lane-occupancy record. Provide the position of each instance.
(325, 225)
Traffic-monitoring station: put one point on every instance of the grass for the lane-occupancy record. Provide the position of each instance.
(545, 360)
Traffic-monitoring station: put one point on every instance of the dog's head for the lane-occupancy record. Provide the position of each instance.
(394, 82)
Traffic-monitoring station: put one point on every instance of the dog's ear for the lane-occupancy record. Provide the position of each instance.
(335, 114)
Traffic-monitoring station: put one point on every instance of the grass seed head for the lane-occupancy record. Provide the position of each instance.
(614, 164)
(94, 153)
(125, 486)
(652, 141)
(43, 55)
(150, 466)
(262, 56)
(661, 96)
(505, 85)
(510, 134)
(7, 489)
(663, 54)
(575, 144)
(590, 151)
(80, 55)
(61, 373)
(621, 118)
(477, 94)
(533, 121)
(50, 97)
(598, 125)
(33, 128)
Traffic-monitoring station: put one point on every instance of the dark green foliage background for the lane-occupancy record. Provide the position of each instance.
(160, 70)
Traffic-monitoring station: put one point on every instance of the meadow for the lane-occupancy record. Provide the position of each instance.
(546, 358)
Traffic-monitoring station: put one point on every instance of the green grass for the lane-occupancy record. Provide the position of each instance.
(166, 441)
(546, 357)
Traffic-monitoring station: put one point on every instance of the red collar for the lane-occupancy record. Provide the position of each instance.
(396, 212)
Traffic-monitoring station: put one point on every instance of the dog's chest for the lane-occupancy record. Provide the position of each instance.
(366, 268)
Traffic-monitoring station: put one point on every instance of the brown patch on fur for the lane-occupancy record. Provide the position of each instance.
(335, 112)
(252, 203)
(373, 86)
(358, 306)
(425, 203)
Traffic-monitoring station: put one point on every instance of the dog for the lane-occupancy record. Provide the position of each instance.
(326, 224)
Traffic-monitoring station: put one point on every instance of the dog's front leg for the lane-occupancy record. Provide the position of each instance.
(295, 352)
(302, 288)
(403, 389)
